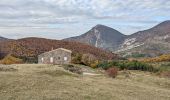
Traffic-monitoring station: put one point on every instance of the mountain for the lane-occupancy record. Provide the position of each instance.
(3, 39)
(152, 42)
(101, 36)
(32, 47)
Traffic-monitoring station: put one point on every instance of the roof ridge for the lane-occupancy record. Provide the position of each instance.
(64, 49)
(58, 49)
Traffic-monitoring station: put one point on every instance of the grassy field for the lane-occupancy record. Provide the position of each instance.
(51, 82)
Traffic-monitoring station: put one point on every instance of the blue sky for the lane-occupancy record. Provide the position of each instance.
(58, 19)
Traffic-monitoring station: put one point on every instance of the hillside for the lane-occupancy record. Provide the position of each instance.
(31, 47)
(152, 42)
(101, 36)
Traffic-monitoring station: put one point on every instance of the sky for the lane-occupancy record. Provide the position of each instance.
(58, 19)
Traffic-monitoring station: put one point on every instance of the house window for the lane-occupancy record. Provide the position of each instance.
(51, 60)
(42, 60)
(58, 58)
(65, 58)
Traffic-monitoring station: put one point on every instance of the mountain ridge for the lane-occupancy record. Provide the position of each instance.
(154, 41)
(100, 36)
(148, 39)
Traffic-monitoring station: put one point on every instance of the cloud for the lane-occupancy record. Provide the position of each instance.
(17, 14)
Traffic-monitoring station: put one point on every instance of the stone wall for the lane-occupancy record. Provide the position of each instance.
(57, 56)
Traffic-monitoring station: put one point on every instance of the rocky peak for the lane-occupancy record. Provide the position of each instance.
(101, 36)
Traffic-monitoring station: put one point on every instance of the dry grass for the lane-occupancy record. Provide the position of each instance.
(48, 82)
(6, 68)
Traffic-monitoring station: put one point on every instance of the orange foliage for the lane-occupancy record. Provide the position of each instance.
(165, 57)
(31, 47)
(11, 60)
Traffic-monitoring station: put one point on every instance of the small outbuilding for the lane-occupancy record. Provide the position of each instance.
(57, 56)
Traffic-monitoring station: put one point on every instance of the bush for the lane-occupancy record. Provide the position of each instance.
(135, 65)
(76, 59)
(107, 64)
(165, 57)
(73, 69)
(86, 59)
(94, 64)
(130, 65)
(136, 55)
(9, 59)
(29, 59)
(112, 72)
(89, 60)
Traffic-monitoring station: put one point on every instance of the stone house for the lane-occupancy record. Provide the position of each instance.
(57, 56)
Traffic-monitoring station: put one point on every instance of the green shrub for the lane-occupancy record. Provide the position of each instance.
(136, 55)
(135, 65)
(129, 65)
(103, 65)
(29, 59)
